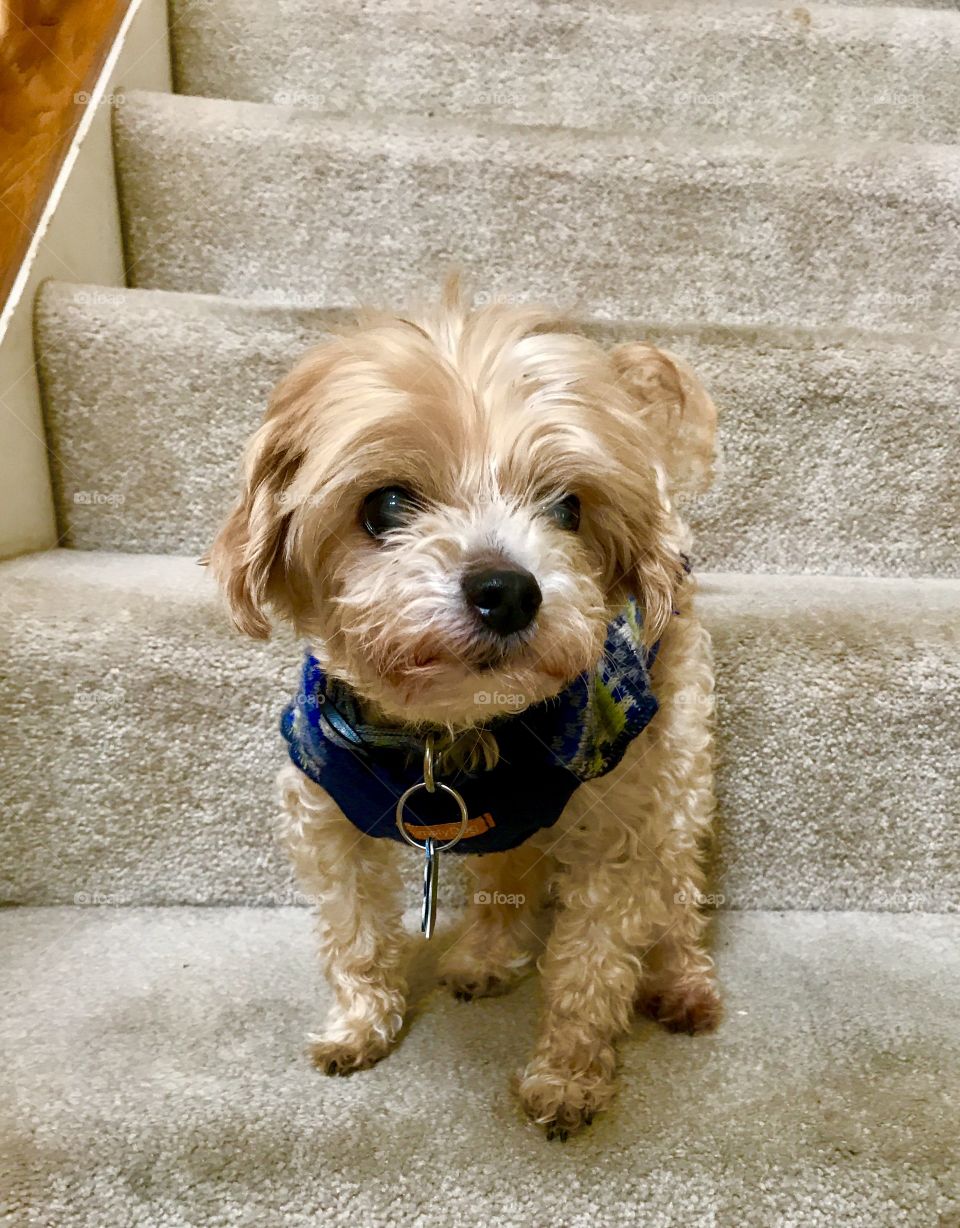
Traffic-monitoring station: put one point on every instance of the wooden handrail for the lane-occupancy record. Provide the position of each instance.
(50, 54)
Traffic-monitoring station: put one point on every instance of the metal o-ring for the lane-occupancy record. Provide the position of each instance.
(464, 816)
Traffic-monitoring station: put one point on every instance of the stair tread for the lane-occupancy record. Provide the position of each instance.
(158, 783)
(178, 1044)
(432, 134)
(287, 314)
(151, 394)
(374, 206)
(587, 62)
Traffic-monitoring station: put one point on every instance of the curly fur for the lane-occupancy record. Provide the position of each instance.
(490, 414)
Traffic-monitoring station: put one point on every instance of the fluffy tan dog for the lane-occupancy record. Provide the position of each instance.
(454, 506)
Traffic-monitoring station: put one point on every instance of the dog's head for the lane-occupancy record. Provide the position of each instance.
(452, 507)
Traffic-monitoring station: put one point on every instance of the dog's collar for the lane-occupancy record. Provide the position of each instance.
(342, 714)
(546, 751)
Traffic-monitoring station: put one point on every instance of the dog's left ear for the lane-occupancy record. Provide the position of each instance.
(678, 410)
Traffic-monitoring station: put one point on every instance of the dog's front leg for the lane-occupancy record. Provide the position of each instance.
(356, 886)
(591, 969)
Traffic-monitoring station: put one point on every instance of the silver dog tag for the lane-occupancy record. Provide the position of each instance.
(431, 850)
(431, 873)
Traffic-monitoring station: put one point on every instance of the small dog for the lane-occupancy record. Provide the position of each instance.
(470, 514)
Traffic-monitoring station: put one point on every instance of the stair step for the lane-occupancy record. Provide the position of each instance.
(149, 400)
(841, 451)
(775, 69)
(282, 204)
(170, 1042)
(140, 738)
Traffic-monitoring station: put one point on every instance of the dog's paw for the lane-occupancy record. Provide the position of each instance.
(467, 976)
(693, 1009)
(468, 983)
(343, 1057)
(564, 1101)
(474, 980)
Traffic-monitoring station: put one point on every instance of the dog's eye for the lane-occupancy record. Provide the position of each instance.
(386, 508)
(566, 512)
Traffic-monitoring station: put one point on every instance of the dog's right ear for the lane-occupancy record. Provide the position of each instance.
(246, 556)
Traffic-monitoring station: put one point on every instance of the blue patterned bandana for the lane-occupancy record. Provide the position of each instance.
(546, 751)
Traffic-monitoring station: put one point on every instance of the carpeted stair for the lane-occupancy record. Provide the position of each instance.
(771, 190)
(268, 202)
(157, 1061)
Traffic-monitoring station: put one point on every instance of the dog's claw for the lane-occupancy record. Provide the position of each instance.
(555, 1131)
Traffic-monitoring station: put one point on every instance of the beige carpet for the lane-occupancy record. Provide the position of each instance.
(772, 190)
(838, 708)
(155, 1059)
(716, 215)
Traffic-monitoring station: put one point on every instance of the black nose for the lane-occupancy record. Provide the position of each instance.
(505, 600)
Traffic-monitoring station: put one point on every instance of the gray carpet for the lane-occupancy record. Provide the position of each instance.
(156, 1063)
(678, 65)
(622, 224)
(839, 734)
(841, 449)
(770, 189)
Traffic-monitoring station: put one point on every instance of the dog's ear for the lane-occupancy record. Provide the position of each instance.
(630, 527)
(248, 555)
(678, 410)
(650, 568)
(247, 551)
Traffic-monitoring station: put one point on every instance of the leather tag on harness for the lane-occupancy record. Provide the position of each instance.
(447, 831)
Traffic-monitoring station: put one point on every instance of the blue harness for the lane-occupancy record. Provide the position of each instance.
(546, 752)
